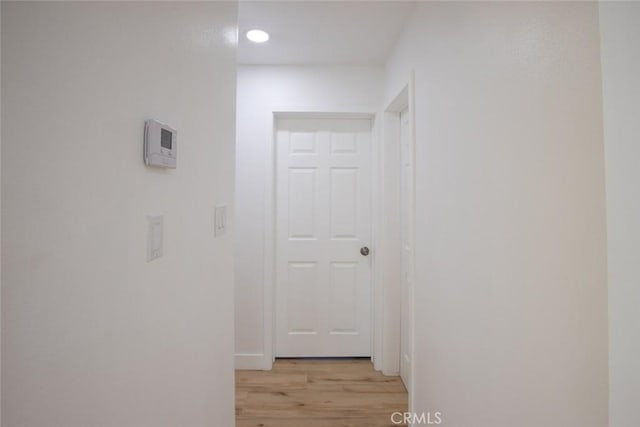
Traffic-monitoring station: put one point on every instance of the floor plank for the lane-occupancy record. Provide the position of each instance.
(318, 393)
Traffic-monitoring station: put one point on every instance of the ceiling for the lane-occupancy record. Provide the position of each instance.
(321, 32)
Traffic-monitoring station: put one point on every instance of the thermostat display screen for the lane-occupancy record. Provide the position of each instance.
(165, 139)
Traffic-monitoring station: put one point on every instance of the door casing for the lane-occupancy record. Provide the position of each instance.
(392, 265)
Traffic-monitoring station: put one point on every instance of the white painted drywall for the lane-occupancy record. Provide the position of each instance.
(511, 294)
(620, 35)
(260, 90)
(93, 335)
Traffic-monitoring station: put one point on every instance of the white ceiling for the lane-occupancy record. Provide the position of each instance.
(321, 32)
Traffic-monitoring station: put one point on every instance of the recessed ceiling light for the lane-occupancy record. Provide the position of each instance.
(257, 36)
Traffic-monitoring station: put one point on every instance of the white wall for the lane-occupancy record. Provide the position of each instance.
(620, 33)
(511, 293)
(260, 89)
(93, 335)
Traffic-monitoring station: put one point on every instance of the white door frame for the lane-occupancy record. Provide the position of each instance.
(269, 287)
(390, 269)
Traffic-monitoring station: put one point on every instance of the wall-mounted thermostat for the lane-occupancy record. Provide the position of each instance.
(160, 145)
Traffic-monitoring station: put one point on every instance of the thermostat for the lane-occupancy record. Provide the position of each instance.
(160, 145)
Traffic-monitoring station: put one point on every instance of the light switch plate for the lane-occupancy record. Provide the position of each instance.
(154, 236)
(220, 221)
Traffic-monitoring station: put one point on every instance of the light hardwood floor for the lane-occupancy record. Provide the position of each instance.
(318, 393)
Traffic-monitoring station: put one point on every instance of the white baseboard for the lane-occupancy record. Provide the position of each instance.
(253, 361)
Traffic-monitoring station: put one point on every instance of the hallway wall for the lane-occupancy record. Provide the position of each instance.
(511, 286)
(92, 334)
(260, 89)
(620, 32)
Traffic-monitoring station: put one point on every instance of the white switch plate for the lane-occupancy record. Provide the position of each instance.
(220, 221)
(154, 237)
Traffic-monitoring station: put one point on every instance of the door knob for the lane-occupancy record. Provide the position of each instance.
(364, 251)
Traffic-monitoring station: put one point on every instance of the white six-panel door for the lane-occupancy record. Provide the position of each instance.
(323, 282)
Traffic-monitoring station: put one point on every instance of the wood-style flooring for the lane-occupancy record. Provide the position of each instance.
(318, 393)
